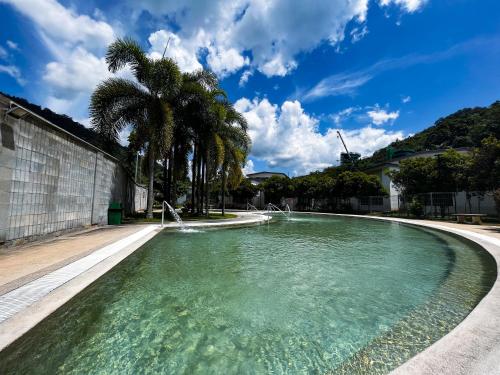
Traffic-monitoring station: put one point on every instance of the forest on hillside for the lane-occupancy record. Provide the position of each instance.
(464, 128)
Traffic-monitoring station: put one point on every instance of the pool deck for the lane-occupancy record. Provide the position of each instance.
(37, 279)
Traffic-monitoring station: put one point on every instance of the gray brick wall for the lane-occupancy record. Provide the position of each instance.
(51, 182)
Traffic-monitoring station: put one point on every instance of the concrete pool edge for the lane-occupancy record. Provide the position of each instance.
(26, 318)
(473, 346)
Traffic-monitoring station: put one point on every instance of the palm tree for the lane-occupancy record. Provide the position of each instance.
(144, 104)
(236, 145)
(195, 115)
(220, 140)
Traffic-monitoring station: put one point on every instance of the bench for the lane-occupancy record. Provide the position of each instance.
(476, 218)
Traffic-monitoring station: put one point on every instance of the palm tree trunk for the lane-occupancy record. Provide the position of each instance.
(202, 184)
(151, 163)
(193, 180)
(175, 175)
(170, 176)
(166, 186)
(223, 190)
(198, 182)
(207, 192)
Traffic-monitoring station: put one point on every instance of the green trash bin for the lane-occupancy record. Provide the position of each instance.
(115, 213)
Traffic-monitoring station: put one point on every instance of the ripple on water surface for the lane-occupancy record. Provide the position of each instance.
(309, 295)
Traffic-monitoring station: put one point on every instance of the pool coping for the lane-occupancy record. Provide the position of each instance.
(473, 346)
(24, 307)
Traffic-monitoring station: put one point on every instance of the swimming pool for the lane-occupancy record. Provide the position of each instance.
(314, 294)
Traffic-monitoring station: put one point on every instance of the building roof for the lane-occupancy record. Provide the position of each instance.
(265, 174)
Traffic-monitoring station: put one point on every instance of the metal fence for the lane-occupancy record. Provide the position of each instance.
(432, 204)
(441, 204)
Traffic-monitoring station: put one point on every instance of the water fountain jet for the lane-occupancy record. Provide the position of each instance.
(173, 213)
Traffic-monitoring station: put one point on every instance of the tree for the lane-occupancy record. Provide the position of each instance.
(232, 132)
(145, 105)
(464, 128)
(244, 192)
(275, 188)
(415, 176)
(357, 184)
(452, 171)
(485, 165)
(198, 110)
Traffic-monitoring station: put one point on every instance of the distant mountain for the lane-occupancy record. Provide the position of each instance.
(464, 128)
(67, 123)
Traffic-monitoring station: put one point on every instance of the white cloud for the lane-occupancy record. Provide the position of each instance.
(288, 137)
(14, 72)
(77, 43)
(338, 84)
(12, 45)
(343, 114)
(381, 116)
(249, 167)
(358, 33)
(408, 5)
(244, 77)
(268, 35)
(406, 99)
(80, 71)
(277, 31)
(348, 82)
(184, 52)
(230, 35)
(62, 24)
(226, 61)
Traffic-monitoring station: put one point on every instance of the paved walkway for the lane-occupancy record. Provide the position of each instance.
(487, 230)
(22, 264)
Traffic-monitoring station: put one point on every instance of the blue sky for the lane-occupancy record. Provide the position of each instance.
(376, 70)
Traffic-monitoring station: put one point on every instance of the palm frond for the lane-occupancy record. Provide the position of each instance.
(162, 126)
(167, 78)
(124, 52)
(116, 103)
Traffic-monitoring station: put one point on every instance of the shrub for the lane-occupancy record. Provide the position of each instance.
(496, 197)
(416, 207)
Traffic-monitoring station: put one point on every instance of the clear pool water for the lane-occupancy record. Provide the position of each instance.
(311, 295)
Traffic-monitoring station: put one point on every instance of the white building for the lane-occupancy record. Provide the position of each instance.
(382, 170)
(258, 177)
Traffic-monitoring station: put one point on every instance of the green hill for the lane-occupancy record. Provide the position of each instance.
(464, 128)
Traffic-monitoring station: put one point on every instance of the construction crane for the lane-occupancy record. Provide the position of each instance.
(342, 139)
(348, 154)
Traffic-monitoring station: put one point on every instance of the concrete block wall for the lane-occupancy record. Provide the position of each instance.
(52, 182)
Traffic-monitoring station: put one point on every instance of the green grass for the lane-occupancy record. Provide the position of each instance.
(211, 216)
(139, 218)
